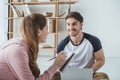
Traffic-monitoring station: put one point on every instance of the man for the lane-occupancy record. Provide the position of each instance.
(87, 48)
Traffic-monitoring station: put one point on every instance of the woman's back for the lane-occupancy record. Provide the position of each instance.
(8, 56)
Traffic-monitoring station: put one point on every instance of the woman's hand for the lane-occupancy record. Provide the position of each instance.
(59, 61)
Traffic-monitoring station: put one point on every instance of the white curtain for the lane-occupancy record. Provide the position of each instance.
(3, 21)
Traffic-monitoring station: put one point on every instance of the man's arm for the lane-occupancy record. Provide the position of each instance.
(100, 60)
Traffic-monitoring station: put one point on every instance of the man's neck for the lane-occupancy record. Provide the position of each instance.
(77, 39)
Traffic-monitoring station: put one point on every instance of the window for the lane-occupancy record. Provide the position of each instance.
(3, 21)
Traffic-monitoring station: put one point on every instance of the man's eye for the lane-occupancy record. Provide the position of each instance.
(68, 24)
(74, 24)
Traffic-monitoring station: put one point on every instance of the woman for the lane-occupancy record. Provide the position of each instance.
(18, 56)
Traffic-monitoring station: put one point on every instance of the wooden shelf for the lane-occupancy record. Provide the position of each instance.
(43, 3)
(46, 17)
(49, 33)
(55, 32)
(46, 56)
(48, 48)
(56, 17)
(9, 32)
(14, 18)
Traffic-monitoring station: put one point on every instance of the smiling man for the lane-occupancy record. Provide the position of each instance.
(87, 48)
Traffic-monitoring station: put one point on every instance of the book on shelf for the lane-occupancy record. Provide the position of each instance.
(18, 0)
(20, 11)
(26, 9)
(16, 11)
(34, 0)
(51, 25)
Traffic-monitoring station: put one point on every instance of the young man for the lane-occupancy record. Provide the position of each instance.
(87, 48)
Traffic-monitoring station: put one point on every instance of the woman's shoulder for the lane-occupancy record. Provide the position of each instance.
(15, 46)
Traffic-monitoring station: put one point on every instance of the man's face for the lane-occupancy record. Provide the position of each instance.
(73, 26)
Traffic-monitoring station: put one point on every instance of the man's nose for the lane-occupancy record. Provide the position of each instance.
(70, 27)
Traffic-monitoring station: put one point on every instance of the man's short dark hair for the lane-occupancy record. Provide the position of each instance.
(75, 15)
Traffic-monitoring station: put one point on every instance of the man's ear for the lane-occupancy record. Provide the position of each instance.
(81, 23)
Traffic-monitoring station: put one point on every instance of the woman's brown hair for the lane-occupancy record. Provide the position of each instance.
(29, 30)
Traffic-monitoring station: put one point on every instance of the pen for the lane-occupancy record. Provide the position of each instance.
(51, 58)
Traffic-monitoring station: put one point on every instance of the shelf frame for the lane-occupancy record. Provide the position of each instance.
(56, 17)
(43, 3)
